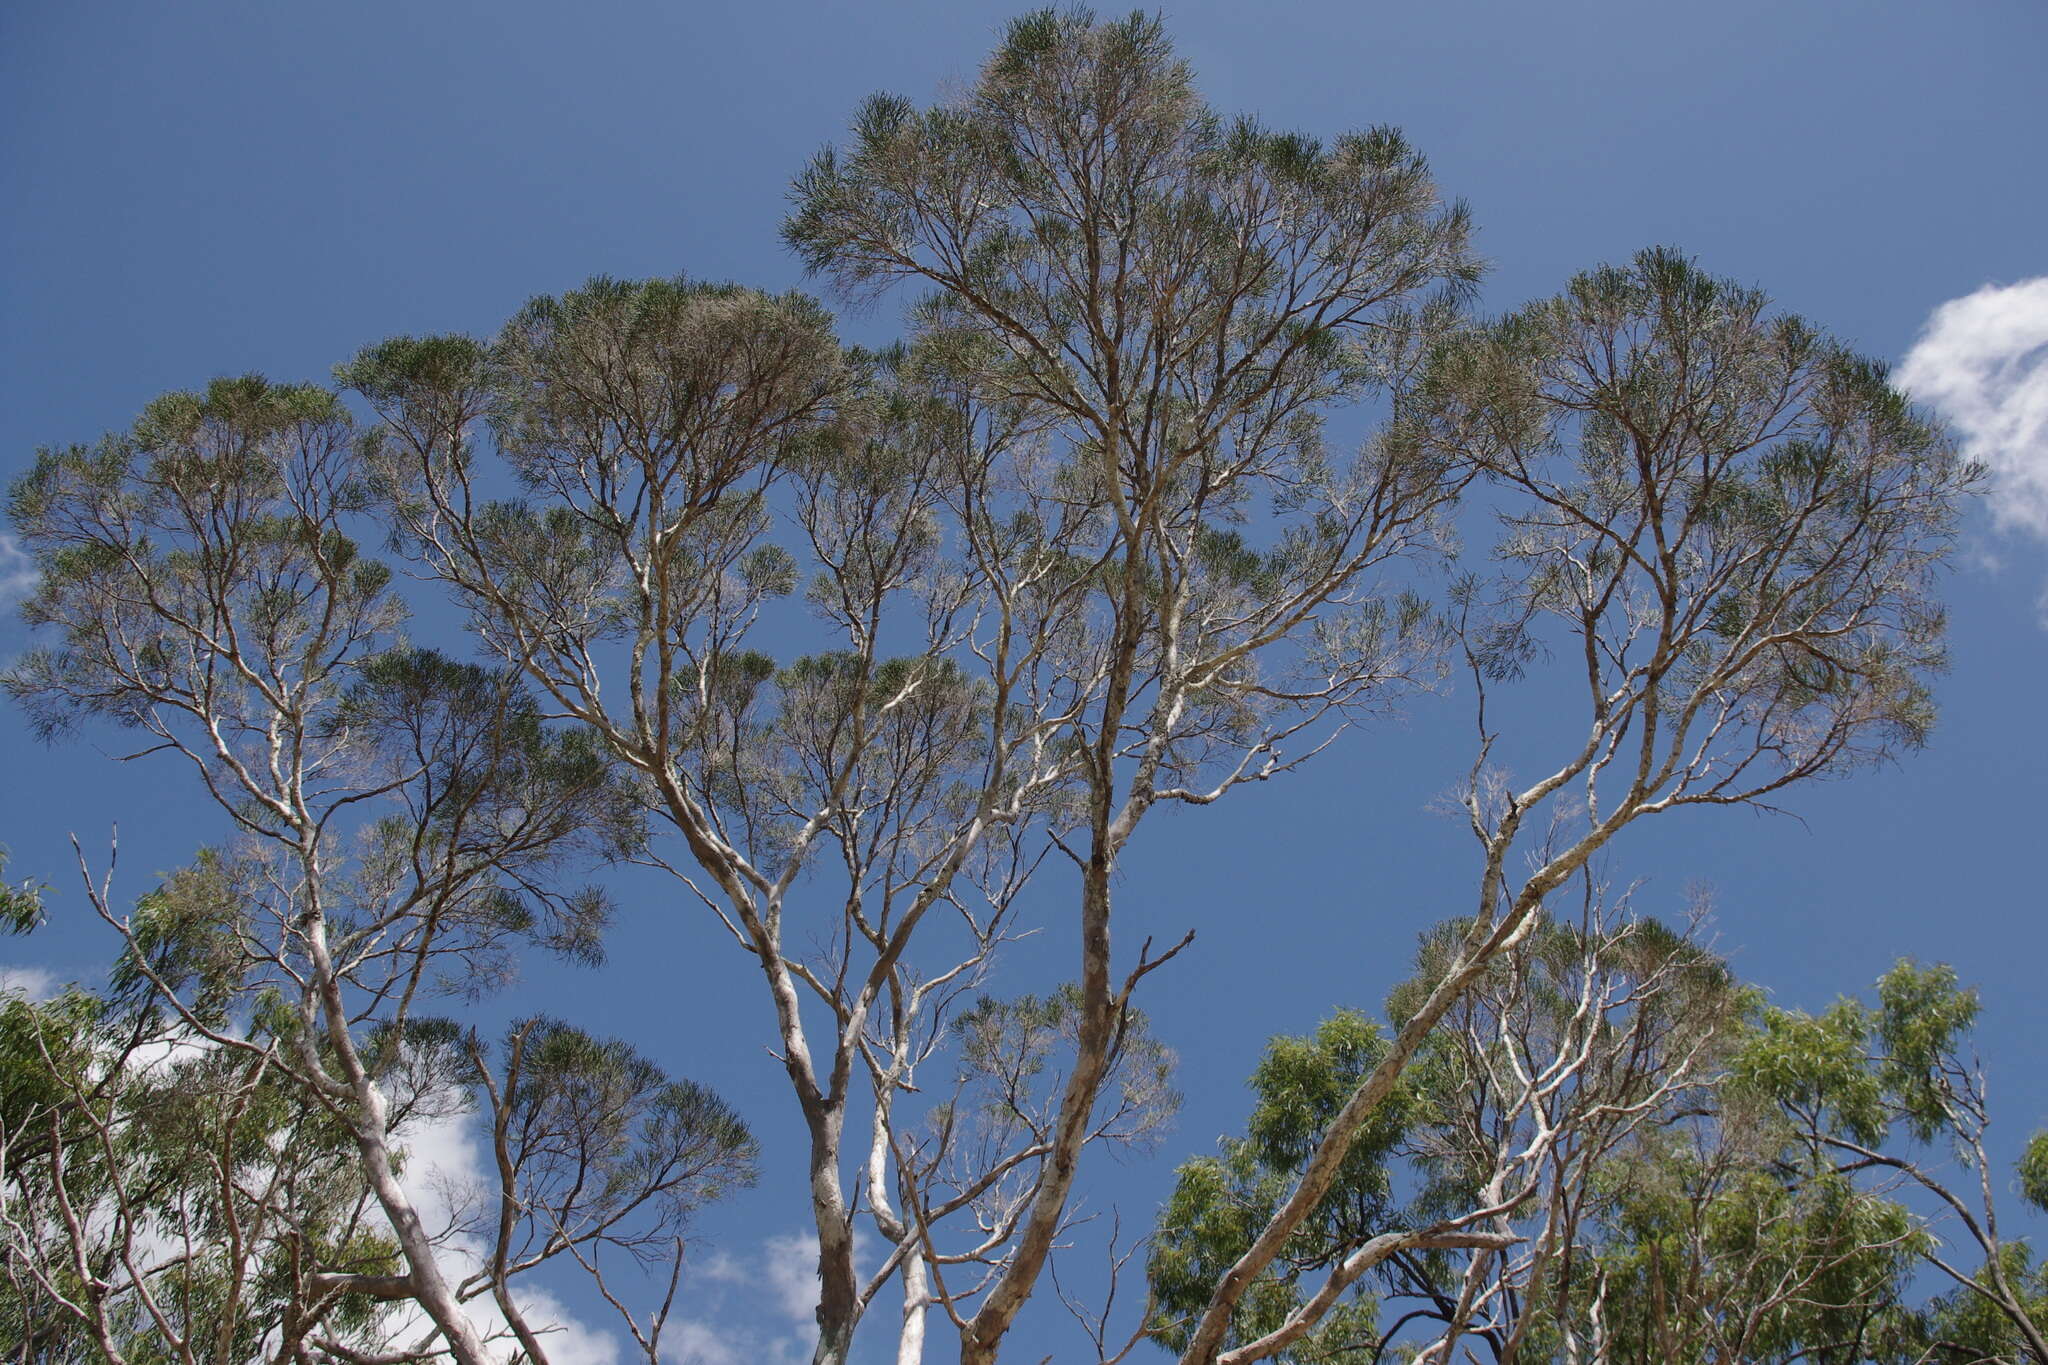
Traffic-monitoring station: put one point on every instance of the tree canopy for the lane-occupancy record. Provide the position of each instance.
(877, 661)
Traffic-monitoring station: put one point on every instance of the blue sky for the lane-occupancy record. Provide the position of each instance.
(208, 188)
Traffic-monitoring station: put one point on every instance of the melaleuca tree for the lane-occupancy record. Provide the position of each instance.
(1723, 527)
(595, 1155)
(404, 821)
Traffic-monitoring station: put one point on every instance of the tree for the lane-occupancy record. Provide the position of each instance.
(1784, 1217)
(403, 818)
(1473, 1188)
(1726, 527)
(1219, 1202)
(1612, 1151)
(650, 422)
(1579, 1044)
(1171, 300)
(1078, 549)
(1046, 502)
(169, 1202)
(1847, 1081)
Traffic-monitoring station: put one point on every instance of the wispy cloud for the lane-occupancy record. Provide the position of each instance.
(31, 983)
(1982, 363)
(693, 1342)
(790, 1271)
(736, 1298)
(17, 571)
(727, 1340)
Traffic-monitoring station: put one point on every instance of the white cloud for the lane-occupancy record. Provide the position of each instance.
(699, 1343)
(31, 983)
(17, 572)
(1982, 363)
(789, 1267)
(778, 1278)
(567, 1340)
(719, 1267)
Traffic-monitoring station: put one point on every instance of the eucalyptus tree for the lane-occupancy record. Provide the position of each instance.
(1172, 301)
(161, 1202)
(1051, 595)
(1481, 1177)
(1871, 1097)
(1786, 1205)
(664, 432)
(1723, 527)
(1218, 1201)
(1580, 1102)
(649, 425)
(1583, 1041)
(1716, 1239)
(1801, 1207)
(1013, 1061)
(1611, 1151)
(402, 820)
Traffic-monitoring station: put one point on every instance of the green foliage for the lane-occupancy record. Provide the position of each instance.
(598, 1134)
(712, 372)
(213, 531)
(1696, 1210)
(1823, 1099)
(21, 907)
(1013, 1058)
(1285, 273)
(490, 787)
(199, 1173)
(186, 939)
(395, 370)
(1857, 1071)
(1220, 1203)
(1718, 1255)
(2033, 1171)
(1922, 1019)
(1712, 452)
(1967, 1323)
(1819, 1066)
